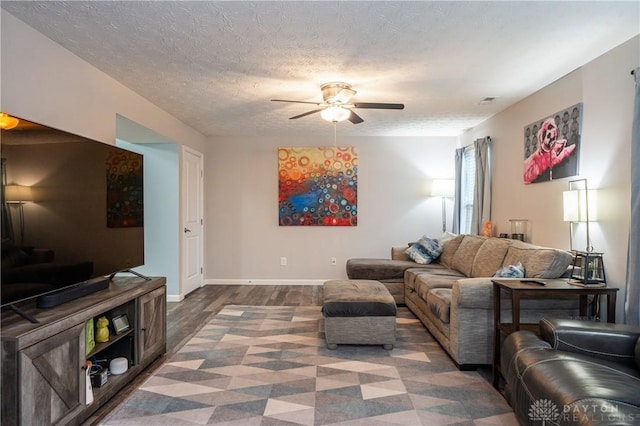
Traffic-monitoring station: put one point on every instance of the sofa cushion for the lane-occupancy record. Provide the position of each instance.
(638, 353)
(377, 269)
(439, 303)
(449, 248)
(489, 257)
(428, 282)
(538, 262)
(446, 236)
(412, 274)
(466, 253)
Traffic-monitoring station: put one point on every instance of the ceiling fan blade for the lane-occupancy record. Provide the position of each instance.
(296, 102)
(377, 105)
(355, 118)
(306, 113)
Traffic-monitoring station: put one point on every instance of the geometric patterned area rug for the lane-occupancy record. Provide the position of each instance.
(269, 365)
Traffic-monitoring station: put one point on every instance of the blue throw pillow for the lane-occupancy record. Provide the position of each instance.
(425, 251)
(416, 254)
(510, 271)
(431, 247)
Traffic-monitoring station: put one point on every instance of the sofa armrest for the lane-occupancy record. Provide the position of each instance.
(473, 293)
(513, 344)
(611, 342)
(397, 253)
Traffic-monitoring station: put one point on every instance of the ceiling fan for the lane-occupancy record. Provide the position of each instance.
(337, 107)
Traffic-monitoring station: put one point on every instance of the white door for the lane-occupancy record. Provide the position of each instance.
(192, 229)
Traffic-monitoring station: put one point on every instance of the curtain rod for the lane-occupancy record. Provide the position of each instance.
(471, 144)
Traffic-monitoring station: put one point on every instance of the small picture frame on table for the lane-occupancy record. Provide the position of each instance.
(120, 324)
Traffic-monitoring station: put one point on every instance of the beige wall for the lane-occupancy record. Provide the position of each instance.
(605, 87)
(245, 243)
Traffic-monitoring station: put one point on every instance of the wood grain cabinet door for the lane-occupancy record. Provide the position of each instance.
(152, 325)
(52, 378)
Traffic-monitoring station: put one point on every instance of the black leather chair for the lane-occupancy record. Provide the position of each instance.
(574, 373)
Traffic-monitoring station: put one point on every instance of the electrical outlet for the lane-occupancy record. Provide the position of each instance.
(283, 261)
(333, 261)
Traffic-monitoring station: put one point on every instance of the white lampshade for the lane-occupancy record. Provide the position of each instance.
(335, 114)
(18, 193)
(442, 188)
(575, 205)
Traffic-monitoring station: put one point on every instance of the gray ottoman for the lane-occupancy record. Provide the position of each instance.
(358, 312)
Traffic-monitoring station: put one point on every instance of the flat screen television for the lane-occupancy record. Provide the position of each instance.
(72, 212)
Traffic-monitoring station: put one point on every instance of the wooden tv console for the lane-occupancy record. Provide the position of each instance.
(43, 364)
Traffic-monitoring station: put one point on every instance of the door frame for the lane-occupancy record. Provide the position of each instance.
(183, 216)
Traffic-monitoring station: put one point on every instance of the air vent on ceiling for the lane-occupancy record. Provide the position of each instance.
(488, 100)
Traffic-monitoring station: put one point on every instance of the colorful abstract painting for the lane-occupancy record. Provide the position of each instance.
(125, 199)
(318, 186)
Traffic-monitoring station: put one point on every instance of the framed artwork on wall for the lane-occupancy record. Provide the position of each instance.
(552, 146)
(125, 198)
(317, 186)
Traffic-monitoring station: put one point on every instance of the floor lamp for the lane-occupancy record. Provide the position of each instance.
(443, 188)
(19, 194)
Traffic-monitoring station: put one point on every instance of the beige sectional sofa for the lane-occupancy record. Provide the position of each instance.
(453, 296)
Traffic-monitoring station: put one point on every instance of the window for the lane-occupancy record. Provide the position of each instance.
(467, 186)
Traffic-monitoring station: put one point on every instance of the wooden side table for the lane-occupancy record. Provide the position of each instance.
(551, 289)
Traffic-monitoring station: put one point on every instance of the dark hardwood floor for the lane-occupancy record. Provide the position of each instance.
(185, 318)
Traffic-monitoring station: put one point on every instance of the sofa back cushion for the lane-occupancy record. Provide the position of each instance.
(489, 257)
(449, 248)
(466, 253)
(538, 262)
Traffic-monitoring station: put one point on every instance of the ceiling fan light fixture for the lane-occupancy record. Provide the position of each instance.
(335, 114)
(337, 93)
(7, 122)
(337, 105)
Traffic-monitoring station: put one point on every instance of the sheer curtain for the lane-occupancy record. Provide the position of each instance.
(632, 294)
(457, 196)
(482, 189)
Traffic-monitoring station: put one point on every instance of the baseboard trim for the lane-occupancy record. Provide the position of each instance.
(261, 282)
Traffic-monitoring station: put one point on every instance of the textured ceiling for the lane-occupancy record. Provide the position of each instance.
(216, 65)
